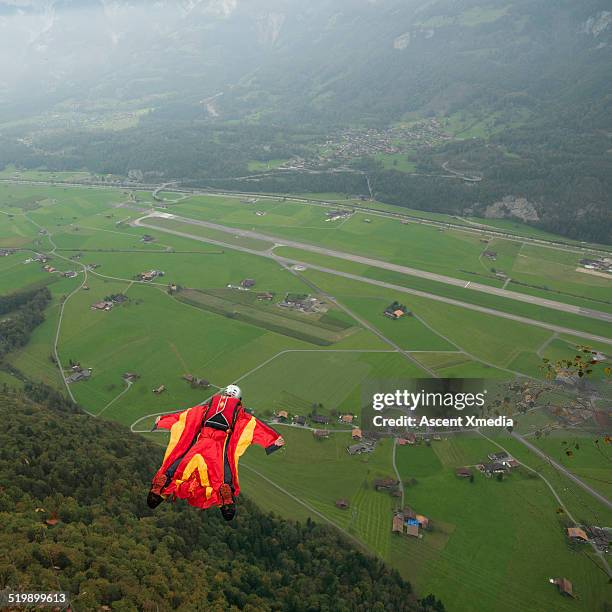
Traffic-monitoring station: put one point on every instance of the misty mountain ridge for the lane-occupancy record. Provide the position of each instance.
(196, 90)
(431, 55)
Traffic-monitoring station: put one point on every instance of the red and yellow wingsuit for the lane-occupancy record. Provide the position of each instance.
(206, 442)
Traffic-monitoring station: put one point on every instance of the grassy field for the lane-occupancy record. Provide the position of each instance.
(590, 456)
(314, 329)
(396, 161)
(534, 270)
(499, 542)
(531, 311)
(476, 334)
(491, 542)
(329, 474)
(263, 166)
(294, 381)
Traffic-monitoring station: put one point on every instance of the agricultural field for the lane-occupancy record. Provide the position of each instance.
(322, 330)
(511, 528)
(532, 269)
(396, 161)
(497, 542)
(586, 454)
(263, 166)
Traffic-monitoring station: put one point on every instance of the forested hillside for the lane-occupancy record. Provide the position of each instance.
(74, 518)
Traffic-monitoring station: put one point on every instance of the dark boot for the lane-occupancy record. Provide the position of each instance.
(228, 506)
(153, 499)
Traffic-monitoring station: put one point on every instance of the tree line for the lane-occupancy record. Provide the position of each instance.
(25, 311)
(72, 503)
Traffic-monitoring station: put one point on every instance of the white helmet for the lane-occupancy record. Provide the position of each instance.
(233, 391)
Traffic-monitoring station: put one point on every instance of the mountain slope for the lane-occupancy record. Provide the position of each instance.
(74, 518)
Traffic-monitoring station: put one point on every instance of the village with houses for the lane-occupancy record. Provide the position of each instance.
(347, 145)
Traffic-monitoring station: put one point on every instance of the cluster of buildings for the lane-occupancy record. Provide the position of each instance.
(282, 416)
(408, 522)
(194, 381)
(388, 485)
(78, 373)
(338, 215)
(346, 145)
(499, 463)
(39, 258)
(303, 303)
(245, 285)
(149, 275)
(600, 537)
(108, 302)
(351, 143)
(603, 264)
(6, 252)
(362, 446)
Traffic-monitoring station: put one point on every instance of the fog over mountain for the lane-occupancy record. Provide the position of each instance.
(536, 72)
(425, 54)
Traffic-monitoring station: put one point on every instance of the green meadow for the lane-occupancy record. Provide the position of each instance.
(536, 270)
(586, 454)
(464, 294)
(492, 542)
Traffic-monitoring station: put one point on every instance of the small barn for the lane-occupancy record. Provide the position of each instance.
(564, 585)
(398, 524)
(577, 534)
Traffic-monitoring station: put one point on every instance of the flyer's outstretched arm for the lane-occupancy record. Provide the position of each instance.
(262, 434)
(166, 421)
